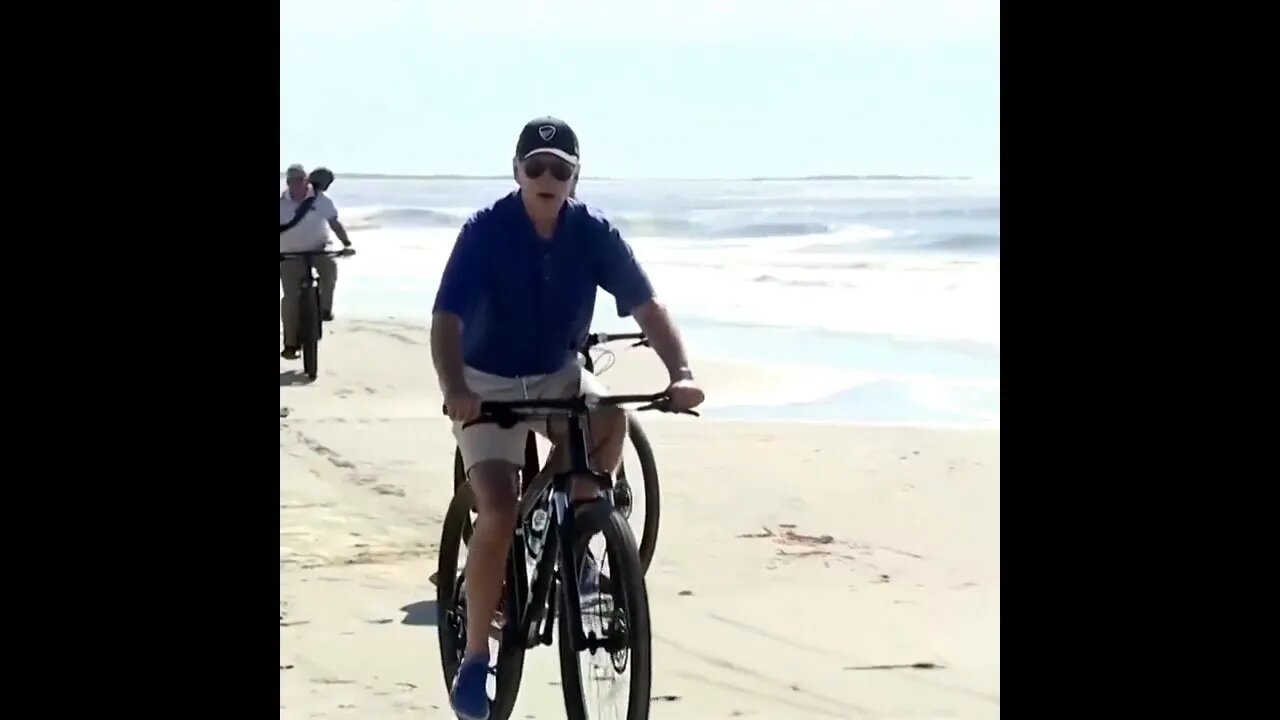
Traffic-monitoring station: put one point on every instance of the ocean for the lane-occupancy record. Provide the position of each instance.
(892, 283)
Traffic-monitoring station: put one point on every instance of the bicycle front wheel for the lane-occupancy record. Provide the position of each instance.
(309, 331)
(451, 605)
(311, 359)
(615, 608)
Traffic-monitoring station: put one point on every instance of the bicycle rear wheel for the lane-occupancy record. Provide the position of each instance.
(624, 617)
(649, 475)
(451, 624)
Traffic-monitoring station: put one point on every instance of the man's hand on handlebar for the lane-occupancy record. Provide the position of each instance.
(684, 394)
(462, 405)
(347, 251)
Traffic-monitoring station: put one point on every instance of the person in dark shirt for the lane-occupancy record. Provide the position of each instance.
(517, 294)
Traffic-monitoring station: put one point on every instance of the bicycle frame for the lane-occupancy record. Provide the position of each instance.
(311, 287)
(530, 469)
(308, 280)
(538, 613)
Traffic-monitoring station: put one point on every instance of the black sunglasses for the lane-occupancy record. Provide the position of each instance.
(560, 170)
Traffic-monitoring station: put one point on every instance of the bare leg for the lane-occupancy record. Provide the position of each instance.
(606, 432)
(494, 483)
(291, 273)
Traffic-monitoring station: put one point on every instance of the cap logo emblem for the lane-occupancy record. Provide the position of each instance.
(546, 132)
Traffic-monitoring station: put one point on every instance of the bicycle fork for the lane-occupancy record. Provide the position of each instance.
(556, 577)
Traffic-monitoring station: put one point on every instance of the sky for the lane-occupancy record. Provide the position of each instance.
(654, 89)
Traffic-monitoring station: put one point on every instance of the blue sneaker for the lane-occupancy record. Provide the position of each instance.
(469, 695)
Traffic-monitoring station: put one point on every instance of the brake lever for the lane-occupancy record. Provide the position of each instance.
(642, 343)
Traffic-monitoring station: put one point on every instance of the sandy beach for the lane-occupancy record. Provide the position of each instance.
(801, 570)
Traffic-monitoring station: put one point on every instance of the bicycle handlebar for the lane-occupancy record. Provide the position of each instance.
(345, 252)
(507, 413)
(594, 339)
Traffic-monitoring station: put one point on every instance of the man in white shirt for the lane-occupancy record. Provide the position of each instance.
(310, 233)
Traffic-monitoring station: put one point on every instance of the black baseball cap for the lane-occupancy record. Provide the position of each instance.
(548, 135)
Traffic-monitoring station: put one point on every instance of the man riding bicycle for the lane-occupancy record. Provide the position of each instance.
(517, 294)
(309, 233)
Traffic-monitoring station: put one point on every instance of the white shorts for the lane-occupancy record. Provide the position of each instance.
(487, 441)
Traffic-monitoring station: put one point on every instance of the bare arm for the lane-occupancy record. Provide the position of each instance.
(655, 321)
(340, 231)
(462, 287)
(621, 276)
(446, 350)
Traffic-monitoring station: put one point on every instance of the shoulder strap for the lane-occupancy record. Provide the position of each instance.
(303, 209)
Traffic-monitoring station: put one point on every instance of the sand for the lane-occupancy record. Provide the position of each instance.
(801, 569)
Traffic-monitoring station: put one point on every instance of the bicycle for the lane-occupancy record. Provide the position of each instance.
(310, 323)
(623, 496)
(551, 533)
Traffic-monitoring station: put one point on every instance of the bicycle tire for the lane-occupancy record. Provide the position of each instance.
(648, 469)
(308, 331)
(460, 477)
(510, 661)
(652, 496)
(311, 359)
(626, 575)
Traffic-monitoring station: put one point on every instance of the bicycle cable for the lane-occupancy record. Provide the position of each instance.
(603, 352)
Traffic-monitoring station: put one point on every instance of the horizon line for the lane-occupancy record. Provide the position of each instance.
(778, 178)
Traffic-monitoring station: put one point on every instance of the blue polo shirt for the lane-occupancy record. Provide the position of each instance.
(526, 302)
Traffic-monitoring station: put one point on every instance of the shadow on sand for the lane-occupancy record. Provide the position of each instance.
(424, 613)
(294, 377)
